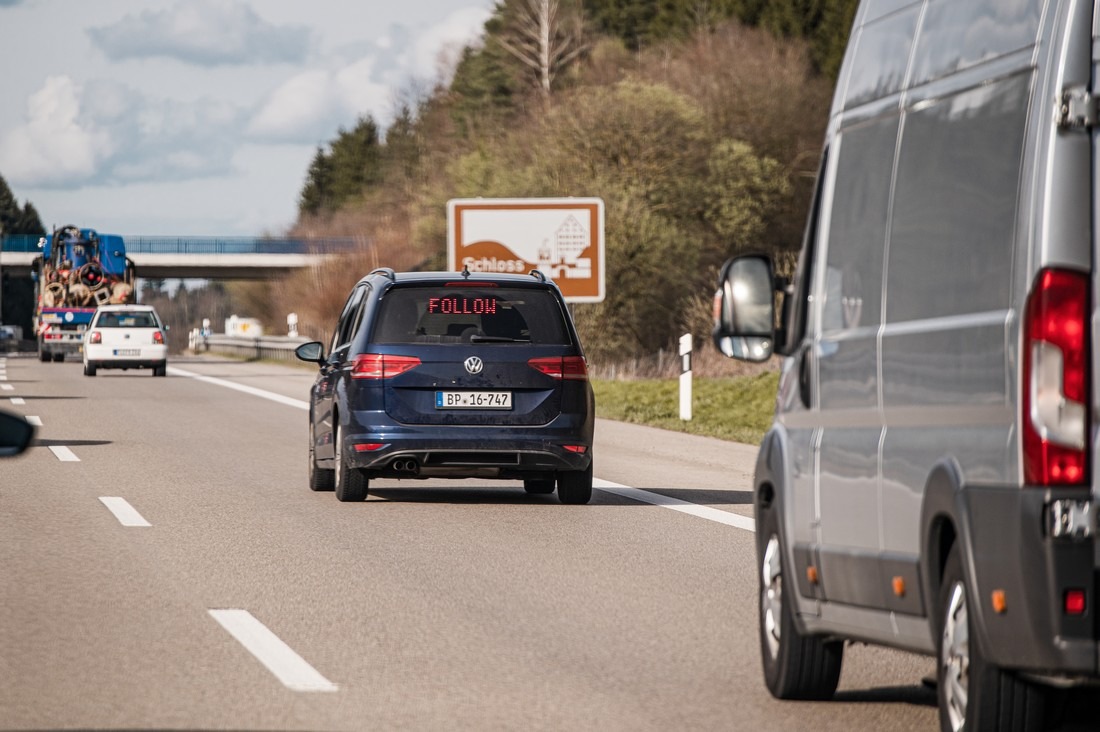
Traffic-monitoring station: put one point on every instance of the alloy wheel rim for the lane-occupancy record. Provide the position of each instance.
(771, 598)
(955, 657)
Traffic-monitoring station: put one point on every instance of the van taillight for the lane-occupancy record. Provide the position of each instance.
(381, 366)
(95, 337)
(1054, 410)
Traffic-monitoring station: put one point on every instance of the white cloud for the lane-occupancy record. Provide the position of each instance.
(438, 49)
(313, 105)
(105, 133)
(58, 143)
(203, 32)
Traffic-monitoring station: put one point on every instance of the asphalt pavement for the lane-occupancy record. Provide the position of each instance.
(163, 565)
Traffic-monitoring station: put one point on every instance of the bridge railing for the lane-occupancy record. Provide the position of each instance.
(23, 243)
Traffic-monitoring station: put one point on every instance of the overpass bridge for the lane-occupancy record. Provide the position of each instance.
(198, 257)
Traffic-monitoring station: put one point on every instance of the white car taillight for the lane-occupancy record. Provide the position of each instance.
(1054, 414)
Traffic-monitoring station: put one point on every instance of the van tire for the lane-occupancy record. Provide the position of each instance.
(89, 369)
(796, 666)
(995, 699)
(575, 486)
(351, 485)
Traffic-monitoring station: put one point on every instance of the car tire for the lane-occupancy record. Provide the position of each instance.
(350, 484)
(575, 486)
(89, 369)
(44, 357)
(58, 357)
(796, 666)
(973, 693)
(538, 486)
(161, 370)
(320, 479)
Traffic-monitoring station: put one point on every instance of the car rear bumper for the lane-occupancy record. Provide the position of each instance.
(465, 452)
(104, 357)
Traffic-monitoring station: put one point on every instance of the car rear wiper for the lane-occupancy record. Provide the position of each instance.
(497, 339)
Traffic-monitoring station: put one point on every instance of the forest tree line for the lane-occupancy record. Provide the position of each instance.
(698, 122)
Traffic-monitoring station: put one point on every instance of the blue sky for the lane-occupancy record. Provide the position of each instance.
(200, 117)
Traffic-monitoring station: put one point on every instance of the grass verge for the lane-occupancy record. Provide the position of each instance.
(735, 408)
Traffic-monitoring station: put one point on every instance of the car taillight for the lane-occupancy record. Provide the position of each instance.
(158, 337)
(1054, 411)
(381, 366)
(569, 368)
(95, 337)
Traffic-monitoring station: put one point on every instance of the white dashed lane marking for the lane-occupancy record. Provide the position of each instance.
(64, 454)
(7, 387)
(279, 658)
(126, 514)
(36, 421)
(18, 400)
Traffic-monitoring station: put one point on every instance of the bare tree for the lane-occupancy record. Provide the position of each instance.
(544, 37)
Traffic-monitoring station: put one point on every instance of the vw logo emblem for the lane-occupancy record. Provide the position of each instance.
(473, 364)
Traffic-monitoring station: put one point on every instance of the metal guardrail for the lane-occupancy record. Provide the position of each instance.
(271, 348)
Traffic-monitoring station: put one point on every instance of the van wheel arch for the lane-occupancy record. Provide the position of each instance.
(941, 530)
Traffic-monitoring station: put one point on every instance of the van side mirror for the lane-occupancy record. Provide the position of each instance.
(313, 352)
(744, 308)
(15, 434)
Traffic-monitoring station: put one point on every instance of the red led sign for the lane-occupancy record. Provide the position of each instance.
(463, 305)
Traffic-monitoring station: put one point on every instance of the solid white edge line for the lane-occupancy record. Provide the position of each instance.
(298, 403)
(279, 658)
(36, 421)
(126, 514)
(64, 454)
(705, 512)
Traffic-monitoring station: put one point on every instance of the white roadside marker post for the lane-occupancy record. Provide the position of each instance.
(685, 377)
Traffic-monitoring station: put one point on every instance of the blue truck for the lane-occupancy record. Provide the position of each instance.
(79, 270)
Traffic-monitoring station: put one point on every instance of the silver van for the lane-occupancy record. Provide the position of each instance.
(930, 481)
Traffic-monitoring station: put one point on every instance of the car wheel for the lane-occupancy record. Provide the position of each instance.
(350, 484)
(59, 357)
(538, 485)
(161, 370)
(575, 486)
(796, 666)
(973, 693)
(320, 479)
(44, 357)
(89, 369)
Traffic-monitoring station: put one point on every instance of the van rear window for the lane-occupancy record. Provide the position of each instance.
(470, 314)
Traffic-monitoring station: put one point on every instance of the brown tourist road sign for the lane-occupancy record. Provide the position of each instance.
(561, 237)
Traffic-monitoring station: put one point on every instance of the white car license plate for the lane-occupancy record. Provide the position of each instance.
(127, 351)
(473, 400)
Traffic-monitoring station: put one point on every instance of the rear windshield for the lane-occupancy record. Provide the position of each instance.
(127, 320)
(470, 315)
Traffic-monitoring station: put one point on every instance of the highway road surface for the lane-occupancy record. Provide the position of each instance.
(163, 565)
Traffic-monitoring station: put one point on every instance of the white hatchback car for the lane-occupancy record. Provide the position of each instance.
(125, 337)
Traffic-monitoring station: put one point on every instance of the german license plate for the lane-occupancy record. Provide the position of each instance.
(127, 351)
(473, 400)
